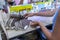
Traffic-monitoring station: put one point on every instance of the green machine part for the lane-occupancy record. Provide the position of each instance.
(20, 8)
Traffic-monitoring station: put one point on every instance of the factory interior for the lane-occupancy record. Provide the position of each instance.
(29, 19)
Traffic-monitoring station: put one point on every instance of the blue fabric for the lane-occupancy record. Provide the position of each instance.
(55, 17)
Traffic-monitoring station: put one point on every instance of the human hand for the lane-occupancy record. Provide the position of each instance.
(34, 23)
(28, 15)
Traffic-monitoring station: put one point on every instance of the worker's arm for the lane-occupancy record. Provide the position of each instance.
(47, 13)
(43, 28)
(45, 31)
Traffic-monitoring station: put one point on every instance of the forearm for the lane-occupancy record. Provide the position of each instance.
(46, 13)
(45, 31)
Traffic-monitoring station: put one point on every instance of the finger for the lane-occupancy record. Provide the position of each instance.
(25, 14)
(31, 23)
(26, 17)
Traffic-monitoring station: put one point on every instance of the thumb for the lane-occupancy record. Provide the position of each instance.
(26, 17)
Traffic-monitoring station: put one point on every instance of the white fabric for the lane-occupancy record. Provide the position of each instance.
(45, 20)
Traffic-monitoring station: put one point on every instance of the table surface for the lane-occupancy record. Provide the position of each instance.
(14, 33)
(0, 36)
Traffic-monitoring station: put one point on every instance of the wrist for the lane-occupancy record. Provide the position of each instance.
(40, 24)
(34, 14)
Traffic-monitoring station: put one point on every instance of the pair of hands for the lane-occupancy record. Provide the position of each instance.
(33, 23)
